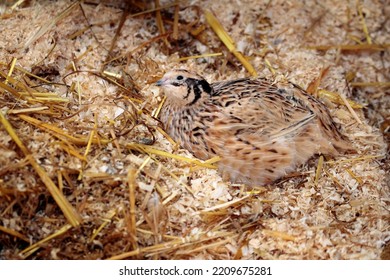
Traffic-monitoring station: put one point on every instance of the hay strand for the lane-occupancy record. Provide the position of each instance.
(225, 205)
(319, 169)
(149, 150)
(14, 233)
(131, 177)
(371, 84)
(50, 24)
(361, 47)
(175, 33)
(160, 23)
(278, 234)
(31, 249)
(106, 221)
(353, 113)
(11, 69)
(61, 134)
(363, 22)
(70, 213)
(200, 56)
(228, 41)
(336, 98)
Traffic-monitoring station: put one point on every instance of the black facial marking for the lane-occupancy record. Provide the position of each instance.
(176, 84)
(205, 85)
(197, 86)
(188, 92)
(197, 93)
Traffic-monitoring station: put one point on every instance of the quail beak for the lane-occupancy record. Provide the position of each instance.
(160, 83)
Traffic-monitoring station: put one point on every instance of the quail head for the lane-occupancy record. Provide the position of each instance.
(261, 130)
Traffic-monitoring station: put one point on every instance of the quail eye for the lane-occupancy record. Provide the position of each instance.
(180, 77)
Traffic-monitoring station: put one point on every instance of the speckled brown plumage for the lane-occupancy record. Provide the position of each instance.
(261, 130)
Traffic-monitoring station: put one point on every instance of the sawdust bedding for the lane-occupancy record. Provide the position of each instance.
(134, 193)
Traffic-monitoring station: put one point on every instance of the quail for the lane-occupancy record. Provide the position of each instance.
(260, 129)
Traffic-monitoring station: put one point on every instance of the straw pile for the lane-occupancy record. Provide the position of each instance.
(87, 172)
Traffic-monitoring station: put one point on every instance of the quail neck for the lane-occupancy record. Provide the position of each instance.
(261, 130)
